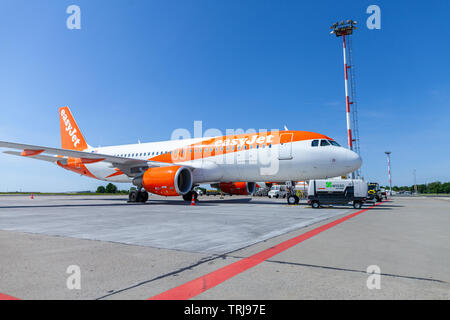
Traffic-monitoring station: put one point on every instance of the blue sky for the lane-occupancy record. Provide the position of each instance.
(140, 69)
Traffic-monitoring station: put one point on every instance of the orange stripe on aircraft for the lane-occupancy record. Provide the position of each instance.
(117, 173)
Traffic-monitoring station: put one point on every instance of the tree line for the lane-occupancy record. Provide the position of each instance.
(111, 188)
(433, 187)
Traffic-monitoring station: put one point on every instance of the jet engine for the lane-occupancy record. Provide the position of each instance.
(239, 188)
(166, 181)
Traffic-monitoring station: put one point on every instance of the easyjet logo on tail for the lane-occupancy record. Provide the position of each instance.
(71, 137)
(69, 128)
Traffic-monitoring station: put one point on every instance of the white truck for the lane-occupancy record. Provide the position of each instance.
(334, 191)
(277, 191)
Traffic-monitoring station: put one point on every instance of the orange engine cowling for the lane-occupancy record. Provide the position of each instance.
(240, 188)
(166, 181)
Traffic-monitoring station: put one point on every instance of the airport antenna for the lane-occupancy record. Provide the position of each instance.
(342, 29)
(388, 153)
(415, 182)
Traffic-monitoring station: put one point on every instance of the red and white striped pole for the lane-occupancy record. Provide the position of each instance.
(347, 100)
(389, 171)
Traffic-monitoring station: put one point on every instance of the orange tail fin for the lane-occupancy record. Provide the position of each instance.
(71, 137)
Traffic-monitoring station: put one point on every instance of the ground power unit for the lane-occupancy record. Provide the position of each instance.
(337, 192)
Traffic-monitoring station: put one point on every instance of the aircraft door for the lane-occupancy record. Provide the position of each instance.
(285, 147)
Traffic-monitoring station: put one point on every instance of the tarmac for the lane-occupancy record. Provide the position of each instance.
(138, 251)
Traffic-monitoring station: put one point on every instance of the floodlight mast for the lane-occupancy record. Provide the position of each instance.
(344, 28)
(388, 153)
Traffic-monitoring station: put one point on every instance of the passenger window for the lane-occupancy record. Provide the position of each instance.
(314, 143)
(324, 143)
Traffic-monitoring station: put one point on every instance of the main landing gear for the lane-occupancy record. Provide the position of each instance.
(138, 196)
(188, 196)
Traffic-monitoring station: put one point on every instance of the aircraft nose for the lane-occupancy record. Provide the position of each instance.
(354, 161)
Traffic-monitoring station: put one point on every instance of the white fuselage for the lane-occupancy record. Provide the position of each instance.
(297, 160)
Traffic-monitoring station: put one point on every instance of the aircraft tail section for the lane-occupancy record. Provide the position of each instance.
(71, 137)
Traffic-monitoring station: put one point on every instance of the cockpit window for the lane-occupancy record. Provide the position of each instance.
(314, 143)
(334, 143)
(324, 143)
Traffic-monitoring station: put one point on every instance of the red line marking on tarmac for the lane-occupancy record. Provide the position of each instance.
(6, 297)
(197, 286)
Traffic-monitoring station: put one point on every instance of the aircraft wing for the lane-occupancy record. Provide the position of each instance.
(39, 157)
(130, 167)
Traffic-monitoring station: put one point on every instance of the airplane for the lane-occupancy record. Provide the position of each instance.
(175, 167)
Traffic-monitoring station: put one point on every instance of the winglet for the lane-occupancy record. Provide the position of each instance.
(71, 137)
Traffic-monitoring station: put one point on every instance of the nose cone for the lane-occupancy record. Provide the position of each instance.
(353, 161)
(344, 161)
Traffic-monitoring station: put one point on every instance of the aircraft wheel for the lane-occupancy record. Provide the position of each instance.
(133, 196)
(357, 204)
(292, 199)
(188, 196)
(142, 196)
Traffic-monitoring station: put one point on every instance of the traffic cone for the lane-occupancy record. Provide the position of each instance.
(193, 200)
(32, 196)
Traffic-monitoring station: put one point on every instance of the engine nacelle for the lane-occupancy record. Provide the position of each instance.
(239, 188)
(166, 181)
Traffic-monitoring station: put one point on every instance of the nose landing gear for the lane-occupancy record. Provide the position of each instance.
(291, 196)
(292, 199)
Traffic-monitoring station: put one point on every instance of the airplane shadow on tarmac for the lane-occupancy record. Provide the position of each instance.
(125, 203)
(201, 202)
